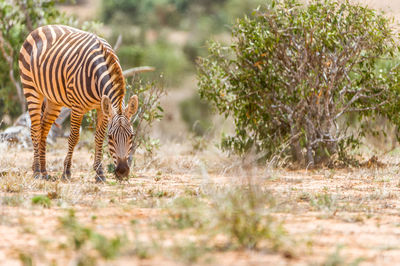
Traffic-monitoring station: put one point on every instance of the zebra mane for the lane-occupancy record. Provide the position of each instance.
(114, 68)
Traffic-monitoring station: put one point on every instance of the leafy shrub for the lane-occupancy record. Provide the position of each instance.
(294, 71)
(150, 111)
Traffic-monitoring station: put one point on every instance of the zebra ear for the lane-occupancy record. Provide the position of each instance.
(106, 106)
(132, 107)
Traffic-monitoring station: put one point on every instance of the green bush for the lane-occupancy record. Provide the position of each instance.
(294, 71)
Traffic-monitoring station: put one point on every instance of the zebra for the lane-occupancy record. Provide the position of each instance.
(61, 66)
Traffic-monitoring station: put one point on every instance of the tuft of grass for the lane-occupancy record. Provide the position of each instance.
(12, 182)
(83, 237)
(25, 259)
(55, 193)
(13, 187)
(243, 214)
(337, 259)
(42, 201)
(143, 250)
(305, 196)
(184, 212)
(12, 201)
(189, 252)
(159, 193)
(324, 202)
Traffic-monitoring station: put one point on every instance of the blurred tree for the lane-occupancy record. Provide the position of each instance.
(294, 70)
(155, 13)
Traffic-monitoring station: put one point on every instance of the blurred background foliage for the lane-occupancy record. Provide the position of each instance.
(169, 35)
(166, 34)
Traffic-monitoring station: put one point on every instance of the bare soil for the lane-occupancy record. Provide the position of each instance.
(329, 216)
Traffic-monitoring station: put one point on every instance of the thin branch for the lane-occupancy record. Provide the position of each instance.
(118, 43)
(132, 71)
(367, 108)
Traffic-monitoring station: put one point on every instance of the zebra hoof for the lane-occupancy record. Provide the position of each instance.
(66, 175)
(100, 179)
(45, 176)
(36, 175)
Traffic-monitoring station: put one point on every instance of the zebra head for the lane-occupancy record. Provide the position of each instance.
(120, 133)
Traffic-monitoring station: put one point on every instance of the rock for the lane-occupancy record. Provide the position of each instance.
(19, 134)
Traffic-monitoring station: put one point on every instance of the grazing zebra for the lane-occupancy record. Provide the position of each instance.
(63, 66)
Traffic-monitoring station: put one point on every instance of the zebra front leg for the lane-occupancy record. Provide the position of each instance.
(49, 116)
(99, 139)
(76, 120)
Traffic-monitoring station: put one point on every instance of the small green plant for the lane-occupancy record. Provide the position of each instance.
(158, 176)
(42, 201)
(26, 259)
(189, 252)
(305, 196)
(110, 168)
(185, 212)
(83, 237)
(159, 193)
(324, 201)
(242, 214)
(142, 251)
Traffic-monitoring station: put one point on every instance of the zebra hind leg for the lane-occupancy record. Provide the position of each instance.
(76, 120)
(50, 114)
(34, 101)
(99, 139)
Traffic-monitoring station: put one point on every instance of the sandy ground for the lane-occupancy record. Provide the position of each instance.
(354, 212)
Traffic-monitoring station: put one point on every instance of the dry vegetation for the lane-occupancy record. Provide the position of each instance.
(183, 207)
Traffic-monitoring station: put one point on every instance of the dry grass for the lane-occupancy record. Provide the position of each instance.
(188, 207)
(184, 207)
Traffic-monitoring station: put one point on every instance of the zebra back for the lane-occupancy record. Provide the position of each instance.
(70, 67)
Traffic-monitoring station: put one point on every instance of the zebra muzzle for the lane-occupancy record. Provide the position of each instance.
(122, 169)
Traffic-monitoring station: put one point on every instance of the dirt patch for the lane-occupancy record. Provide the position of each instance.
(174, 217)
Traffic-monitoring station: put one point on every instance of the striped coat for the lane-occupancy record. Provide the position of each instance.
(63, 66)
